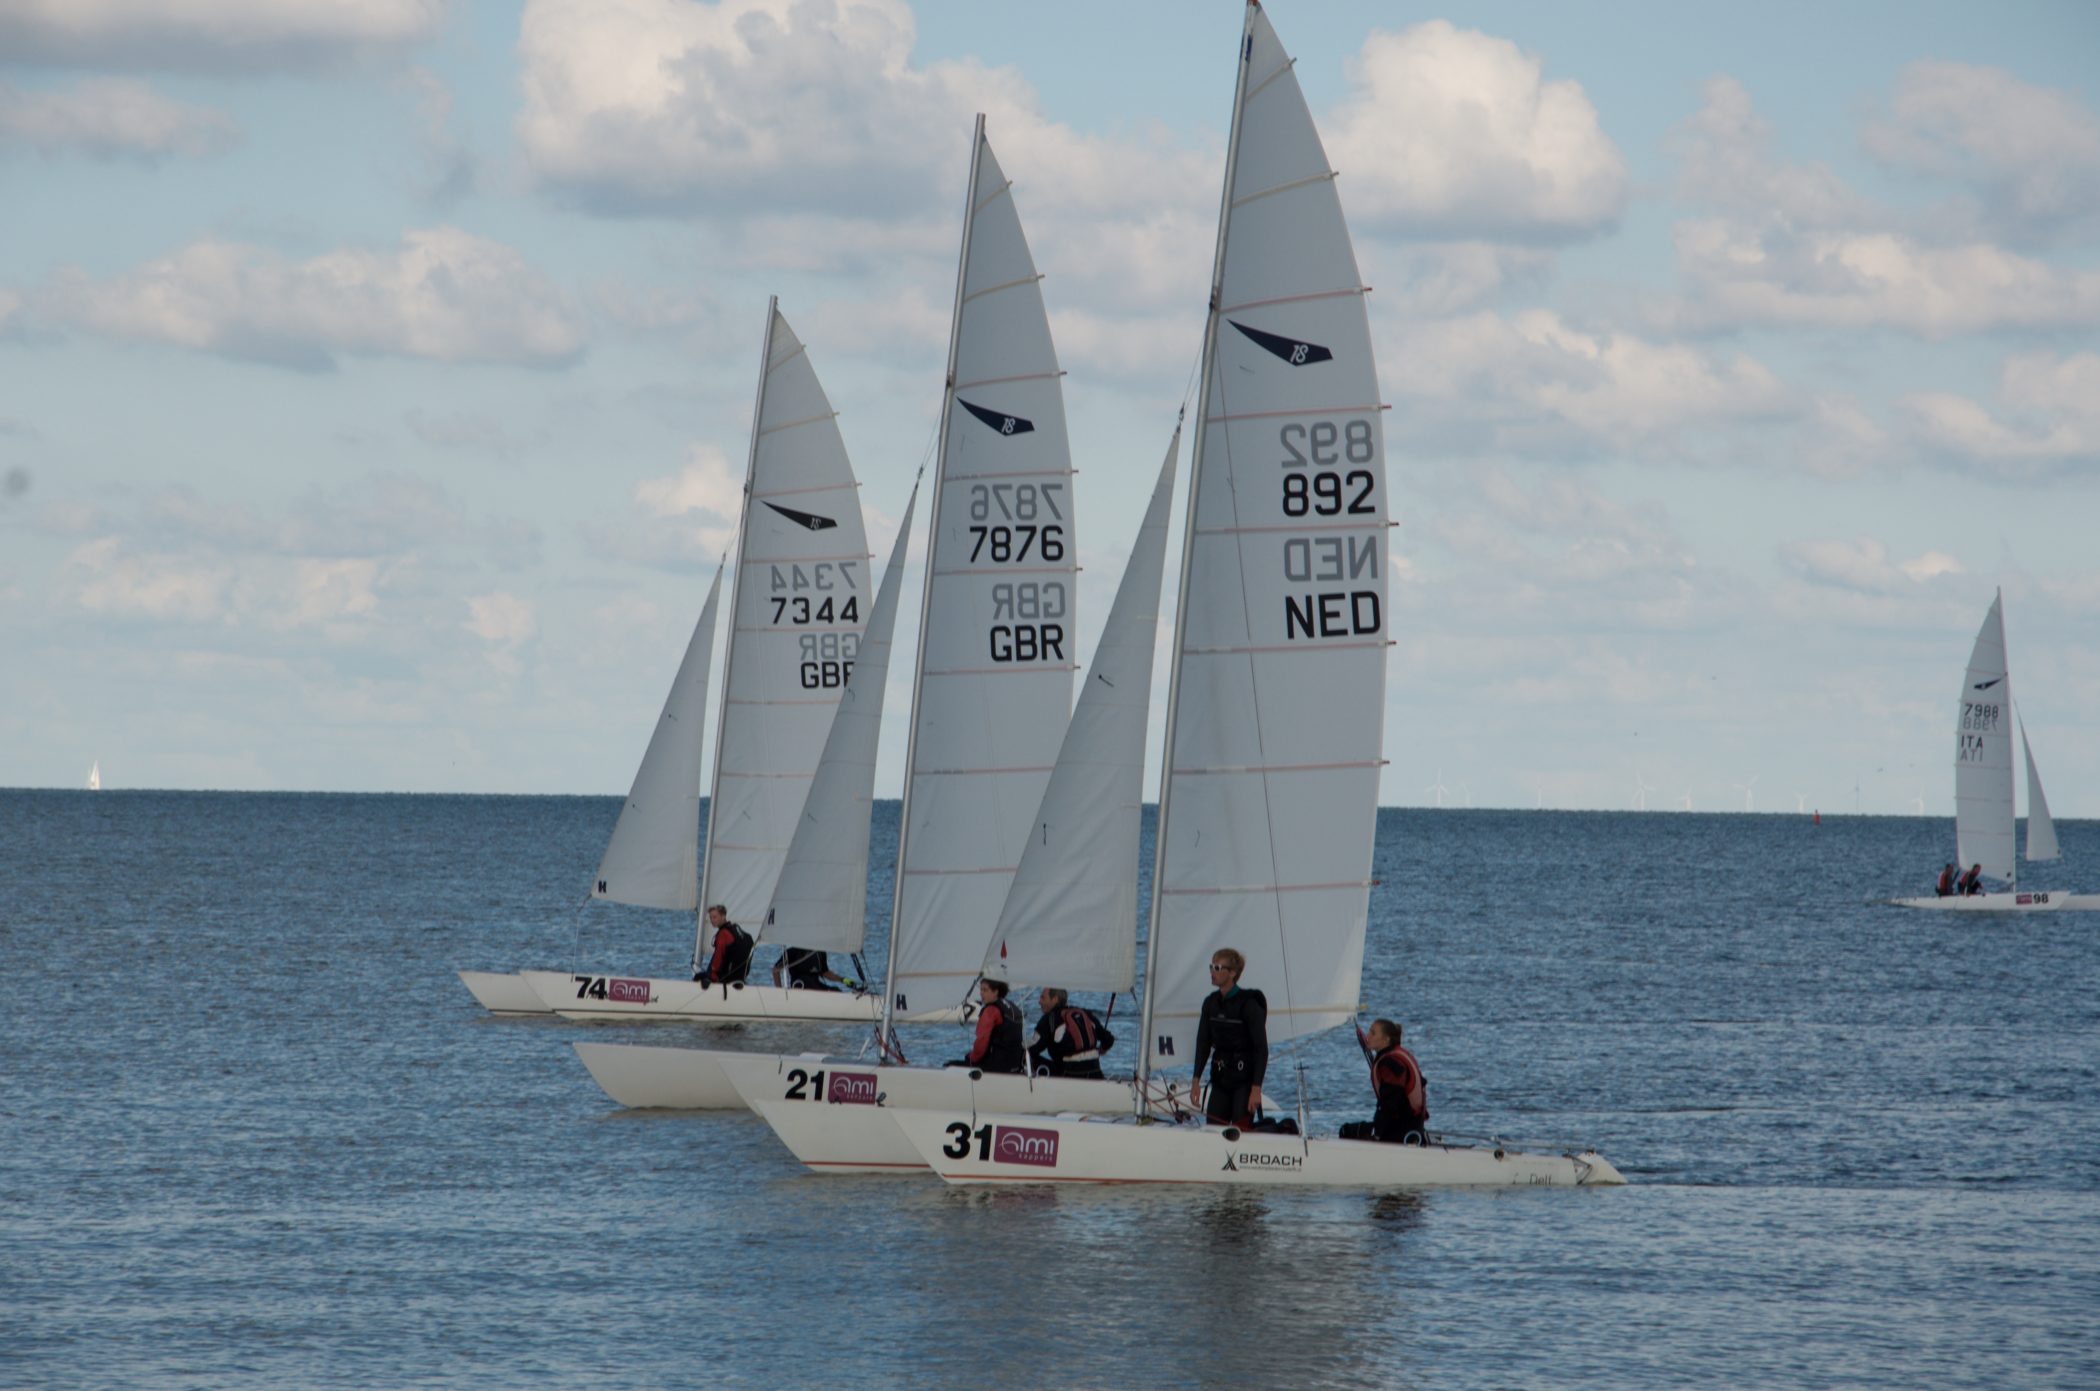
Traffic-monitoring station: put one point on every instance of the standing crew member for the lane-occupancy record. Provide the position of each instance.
(1396, 1079)
(1233, 1037)
(730, 961)
(1069, 1040)
(998, 1045)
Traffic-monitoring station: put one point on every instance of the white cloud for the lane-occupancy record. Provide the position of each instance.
(2030, 154)
(443, 293)
(1533, 382)
(1863, 565)
(211, 35)
(708, 484)
(501, 619)
(1792, 246)
(110, 118)
(1452, 132)
(2052, 408)
(107, 579)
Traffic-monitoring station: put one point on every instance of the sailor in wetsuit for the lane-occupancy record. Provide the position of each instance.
(1971, 882)
(998, 1044)
(1396, 1078)
(1233, 1037)
(806, 969)
(1945, 886)
(1069, 1040)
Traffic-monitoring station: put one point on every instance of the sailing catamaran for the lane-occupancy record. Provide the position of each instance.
(1268, 802)
(798, 617)
(992, 690)
(1983, 790)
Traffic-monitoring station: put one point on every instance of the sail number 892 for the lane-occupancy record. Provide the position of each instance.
(1322, 445)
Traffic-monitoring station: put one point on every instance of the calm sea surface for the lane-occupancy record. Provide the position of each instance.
(256, 1134)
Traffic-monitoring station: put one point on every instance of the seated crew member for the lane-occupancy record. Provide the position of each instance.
(1232, 1035)
(1396, 1079)
(998, 1044)
(729, 963)
(1069, 1040)
(806, 969)
(1971, 882)
(1945, 885)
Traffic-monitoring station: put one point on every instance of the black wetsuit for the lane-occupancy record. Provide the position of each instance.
(1233, 1037)
(1069, 1042)
(805, 969)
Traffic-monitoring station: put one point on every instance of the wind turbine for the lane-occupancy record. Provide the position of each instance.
(1438, 787)
(1917, 806)
(1685, 802)
(1749, 798)
(1641, 788)
(1800, 801)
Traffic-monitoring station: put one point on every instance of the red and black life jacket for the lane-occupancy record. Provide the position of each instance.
(1397, 1068)
(998, 1046)
(1082, 1039)
(731, 962)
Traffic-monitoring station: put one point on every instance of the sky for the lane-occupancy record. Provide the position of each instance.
(375, 375)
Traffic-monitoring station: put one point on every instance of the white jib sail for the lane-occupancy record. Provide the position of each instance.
(2041, 830)
(994, 688)
(1070, 918)
(821, 900)
(653, 858)
(802, 595)
(1983, 772)
(1270, 804)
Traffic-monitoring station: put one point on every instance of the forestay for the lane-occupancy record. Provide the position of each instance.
(994, 688)
(1070, 918)
(2041, 830)
(1270, 804)
(1983, 773)
(802, 593)
(652, 859)
(821, 900)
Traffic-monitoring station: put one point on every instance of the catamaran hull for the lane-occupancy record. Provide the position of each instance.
(504, 992)
(977, 1148)
(2024, 901)
(665, 1079)
(836, 1116)
(636, 999)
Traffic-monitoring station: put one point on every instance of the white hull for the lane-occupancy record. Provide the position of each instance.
(671, 1079)
(2025, 901)
(504, 992)
(975, 1148)
(835, 1115)
(635, 999)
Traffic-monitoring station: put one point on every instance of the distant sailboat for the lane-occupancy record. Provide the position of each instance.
(1983, 789)
(94, 783)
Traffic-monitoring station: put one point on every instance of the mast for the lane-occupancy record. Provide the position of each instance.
(736, 585)
(1188, 550)
(933, 531)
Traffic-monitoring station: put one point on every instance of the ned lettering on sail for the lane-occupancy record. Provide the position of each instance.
(1318, 483)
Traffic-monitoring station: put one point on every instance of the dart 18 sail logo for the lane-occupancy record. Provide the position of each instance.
(1020, 1144)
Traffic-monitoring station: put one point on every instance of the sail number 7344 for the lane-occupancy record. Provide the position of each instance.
(1329, 471)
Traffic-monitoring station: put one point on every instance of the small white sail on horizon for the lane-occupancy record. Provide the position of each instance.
(2041, 829)
(653, 857)
(1070, 917)
(94, 781)
(820, 902)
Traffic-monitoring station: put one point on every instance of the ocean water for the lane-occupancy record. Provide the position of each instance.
(257, 1135)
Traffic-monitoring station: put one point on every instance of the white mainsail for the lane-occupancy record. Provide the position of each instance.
(1269, 804)
(821, 900)
(94, 782)
(1070, 918)
(2041, 830)
(802, 590)
(994, 683)
(1983, 771)
(653, 857)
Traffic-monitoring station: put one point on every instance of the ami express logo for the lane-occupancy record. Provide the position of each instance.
(1020, 1144)
(851, 1089)
(628, 992)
